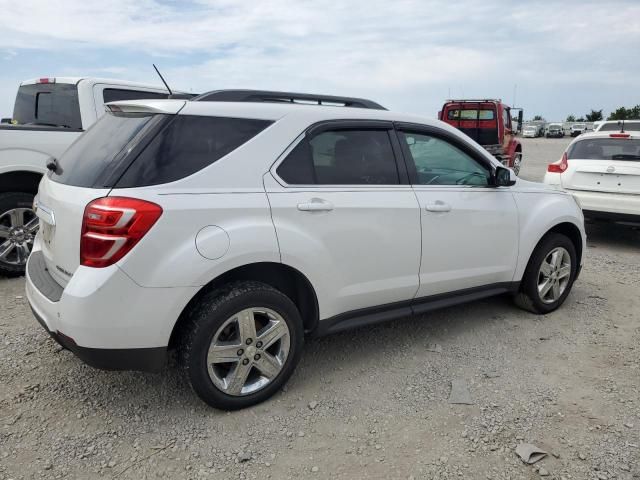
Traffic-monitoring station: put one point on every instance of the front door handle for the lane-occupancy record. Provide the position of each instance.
(315, 205)
(438, 206)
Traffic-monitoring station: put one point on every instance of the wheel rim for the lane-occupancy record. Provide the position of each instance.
(554, 275)
(18, 227)
(248, 351)
(516, 163)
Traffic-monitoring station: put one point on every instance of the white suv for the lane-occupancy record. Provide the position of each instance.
(232, 230)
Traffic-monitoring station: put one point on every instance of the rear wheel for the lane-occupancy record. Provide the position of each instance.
(18, 227)
(549, 276)
(241, 345)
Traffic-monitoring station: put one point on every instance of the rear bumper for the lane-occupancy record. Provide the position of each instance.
(106, 319)
(141, 359)
(611, 204)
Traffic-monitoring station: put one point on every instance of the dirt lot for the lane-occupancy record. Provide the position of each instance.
(371, 403)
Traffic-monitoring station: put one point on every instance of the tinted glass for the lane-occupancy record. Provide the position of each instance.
(614, 127)
(187, 145)
(347, 157)
(115, 94)
(470, 114)
(605, 149)
(53, 104)
(438, 162)
(83, 162)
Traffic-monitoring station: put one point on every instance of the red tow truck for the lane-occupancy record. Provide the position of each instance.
(488, 122)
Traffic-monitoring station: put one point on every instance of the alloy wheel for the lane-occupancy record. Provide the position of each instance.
(248, 351)
(554, 275)
(18, 228)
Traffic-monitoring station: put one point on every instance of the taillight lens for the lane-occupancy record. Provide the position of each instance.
(560, 166)
(112, 226)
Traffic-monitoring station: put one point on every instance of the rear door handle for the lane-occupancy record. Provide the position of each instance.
(438, 206)
(315, 205)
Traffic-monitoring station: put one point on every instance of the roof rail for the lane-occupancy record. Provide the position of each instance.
(266, 96)
(474, 100)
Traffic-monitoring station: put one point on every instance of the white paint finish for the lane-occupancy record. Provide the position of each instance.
(61, 243)
(212, 242)
(167, 257)
(363, 252)
(469, 237)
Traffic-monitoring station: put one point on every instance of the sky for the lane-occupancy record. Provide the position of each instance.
(552, 58)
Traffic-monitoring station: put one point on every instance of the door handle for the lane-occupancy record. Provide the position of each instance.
(315, 205)
(438, 206)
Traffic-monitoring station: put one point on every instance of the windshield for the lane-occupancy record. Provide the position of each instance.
(605, 149)
(617, 126)
(456, 114)
(85, 160)
(554, 126)
(48, 104)
(579, 125)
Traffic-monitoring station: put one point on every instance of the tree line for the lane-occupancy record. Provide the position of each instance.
(621, 113)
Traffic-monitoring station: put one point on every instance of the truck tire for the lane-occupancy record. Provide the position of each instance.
(18, 227)
(240, 344)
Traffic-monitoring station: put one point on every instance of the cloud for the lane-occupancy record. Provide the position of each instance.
(392, 50)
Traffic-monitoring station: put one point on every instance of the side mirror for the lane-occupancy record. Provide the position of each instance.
(502, 177)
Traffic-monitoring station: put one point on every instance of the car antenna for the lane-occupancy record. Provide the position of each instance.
(162, 78)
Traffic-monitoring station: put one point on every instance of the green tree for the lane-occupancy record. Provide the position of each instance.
(570, 118)
(594, 116)
(580, 119)
(623, 113)
(538, 117)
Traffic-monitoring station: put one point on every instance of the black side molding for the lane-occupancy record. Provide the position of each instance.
(391, 311)
(138, 359)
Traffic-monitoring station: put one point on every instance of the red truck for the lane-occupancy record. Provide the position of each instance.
(488, 122)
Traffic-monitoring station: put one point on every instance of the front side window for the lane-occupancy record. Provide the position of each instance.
(342, 157)
(439, 162)
(506, 118)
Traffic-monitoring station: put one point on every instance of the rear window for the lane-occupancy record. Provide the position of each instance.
(484, 114)
(187, 145)
(48, 104)
(605, 149)
(111, 137)
(615, 127)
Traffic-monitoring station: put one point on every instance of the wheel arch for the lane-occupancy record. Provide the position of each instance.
(290, 281)
(20, 181)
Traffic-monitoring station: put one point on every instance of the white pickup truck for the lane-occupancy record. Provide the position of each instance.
(49, 114)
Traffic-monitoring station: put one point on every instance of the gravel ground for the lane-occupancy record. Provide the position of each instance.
(371, 403)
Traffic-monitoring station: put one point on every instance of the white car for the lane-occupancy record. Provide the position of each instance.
(530, 131)
(49, 114)
(602, 170)
(578, 129)
(618, 125)
(231, 230)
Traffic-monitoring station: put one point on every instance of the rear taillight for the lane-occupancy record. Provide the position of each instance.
(112, 226)
(560, 166)
(619, 135)
(46, 80)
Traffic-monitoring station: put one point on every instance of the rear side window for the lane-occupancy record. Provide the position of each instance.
(109, 138)
(48, 104)
(348, 157)
(186, 145)
(605, 149)
(115, 94)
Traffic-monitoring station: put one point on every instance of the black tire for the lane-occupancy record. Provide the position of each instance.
(9, 201)
(208, 315)
(528, 298)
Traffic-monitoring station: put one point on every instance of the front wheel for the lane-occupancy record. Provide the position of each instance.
(18, 227)
(241, 344)
(549, 275)
(517, 161)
